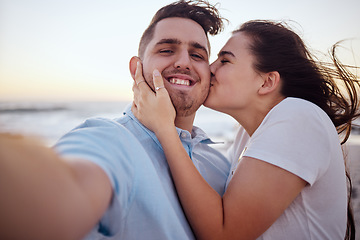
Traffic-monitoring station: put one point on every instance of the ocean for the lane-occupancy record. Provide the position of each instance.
(50, 120)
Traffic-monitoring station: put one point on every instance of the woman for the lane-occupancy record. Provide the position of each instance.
(288, 178)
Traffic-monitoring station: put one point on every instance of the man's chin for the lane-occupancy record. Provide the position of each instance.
(185, 104)
(186, 111)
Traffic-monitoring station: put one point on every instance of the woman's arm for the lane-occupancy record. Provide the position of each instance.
(157, 113)
(257, 195)
(200, 201)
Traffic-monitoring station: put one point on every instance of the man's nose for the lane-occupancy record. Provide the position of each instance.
(183, 61)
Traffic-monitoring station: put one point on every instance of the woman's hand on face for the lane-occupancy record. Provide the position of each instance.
(154, 110)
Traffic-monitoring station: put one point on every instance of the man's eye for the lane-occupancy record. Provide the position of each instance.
(166, 51)
(197, 56)
(224, 61)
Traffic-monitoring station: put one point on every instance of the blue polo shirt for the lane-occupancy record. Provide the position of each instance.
(145, 203)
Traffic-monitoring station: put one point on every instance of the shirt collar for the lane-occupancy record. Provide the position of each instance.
(198, 134)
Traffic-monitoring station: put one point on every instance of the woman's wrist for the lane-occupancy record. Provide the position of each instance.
(166, 131)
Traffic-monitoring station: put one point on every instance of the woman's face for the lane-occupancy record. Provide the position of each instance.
(234, 82)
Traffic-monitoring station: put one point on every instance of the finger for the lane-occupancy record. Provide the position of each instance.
(139, 74)
(158, 80)
(134, 109)
(135, 90)
(133, 106)
(136, 95)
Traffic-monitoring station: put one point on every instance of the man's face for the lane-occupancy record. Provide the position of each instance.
(179, 50)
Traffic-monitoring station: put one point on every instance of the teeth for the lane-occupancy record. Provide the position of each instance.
(180, 81)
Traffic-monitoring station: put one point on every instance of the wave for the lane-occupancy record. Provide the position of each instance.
(30, 107)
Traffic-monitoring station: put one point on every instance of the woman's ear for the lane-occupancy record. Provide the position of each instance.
(271, 82)
(133, 65)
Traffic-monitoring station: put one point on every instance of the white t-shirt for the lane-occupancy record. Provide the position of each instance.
(298, 136)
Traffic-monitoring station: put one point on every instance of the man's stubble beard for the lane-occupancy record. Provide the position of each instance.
(183, 104)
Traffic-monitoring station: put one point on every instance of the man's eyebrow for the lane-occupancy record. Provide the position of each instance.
(222, 53)
(168, 41)
(198, 46)
(177, 41)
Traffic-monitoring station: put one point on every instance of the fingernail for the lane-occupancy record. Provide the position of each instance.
(156, 73)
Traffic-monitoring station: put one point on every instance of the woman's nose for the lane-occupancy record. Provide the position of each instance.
(212, 69)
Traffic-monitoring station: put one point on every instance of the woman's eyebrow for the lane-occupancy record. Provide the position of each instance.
(222, 53)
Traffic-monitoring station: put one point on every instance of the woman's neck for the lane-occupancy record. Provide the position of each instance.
(251, 118)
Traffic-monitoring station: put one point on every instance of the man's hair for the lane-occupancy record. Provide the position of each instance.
(200, 11)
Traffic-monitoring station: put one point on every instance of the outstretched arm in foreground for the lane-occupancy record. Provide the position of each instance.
(45, 197)
(256, 196)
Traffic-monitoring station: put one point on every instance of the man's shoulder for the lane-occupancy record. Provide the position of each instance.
(100, 122)
(99, 129)
(96, 136)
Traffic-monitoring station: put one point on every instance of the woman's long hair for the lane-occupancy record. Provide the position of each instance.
(277, 48)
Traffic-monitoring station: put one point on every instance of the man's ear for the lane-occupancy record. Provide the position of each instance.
(133, 65)
(271, 82)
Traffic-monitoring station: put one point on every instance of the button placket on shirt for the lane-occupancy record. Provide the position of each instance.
(186, 140)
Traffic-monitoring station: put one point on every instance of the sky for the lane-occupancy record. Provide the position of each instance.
(57, 50)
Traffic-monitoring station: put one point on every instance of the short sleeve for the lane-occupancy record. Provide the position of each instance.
(240, 142)
(114, 149)
(293, 137)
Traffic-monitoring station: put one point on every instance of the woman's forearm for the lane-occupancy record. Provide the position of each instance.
(202, 204)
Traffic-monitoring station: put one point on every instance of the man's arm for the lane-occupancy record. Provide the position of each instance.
(45, 197)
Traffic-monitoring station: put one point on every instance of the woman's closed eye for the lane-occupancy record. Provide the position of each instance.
(224, 60)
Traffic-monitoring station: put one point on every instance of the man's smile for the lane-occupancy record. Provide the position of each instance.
(180, 79)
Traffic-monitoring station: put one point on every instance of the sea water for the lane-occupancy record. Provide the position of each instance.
(50, 120)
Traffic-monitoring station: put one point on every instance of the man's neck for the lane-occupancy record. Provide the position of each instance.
(185, 123)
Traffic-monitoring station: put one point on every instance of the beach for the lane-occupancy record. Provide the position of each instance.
(49, 121)
(353, 155)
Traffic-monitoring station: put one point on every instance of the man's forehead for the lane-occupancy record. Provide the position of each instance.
(183, 30)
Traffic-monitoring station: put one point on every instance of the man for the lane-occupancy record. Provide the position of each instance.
(113, 173)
